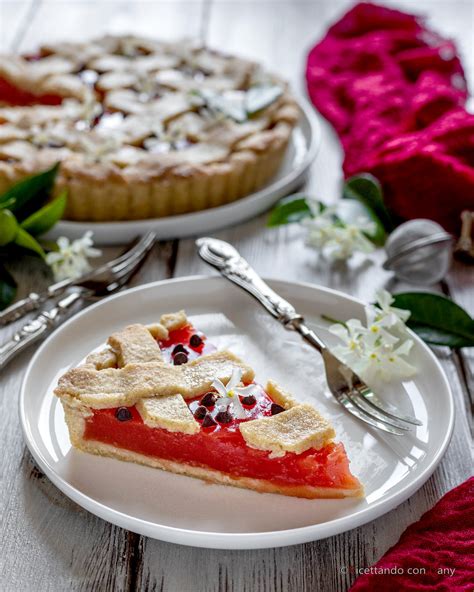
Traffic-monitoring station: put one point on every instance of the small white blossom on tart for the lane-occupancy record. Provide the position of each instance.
(89, 110)
(98, 148)
(334, 239)
(230, 393)
(379, 351)
(70, 261)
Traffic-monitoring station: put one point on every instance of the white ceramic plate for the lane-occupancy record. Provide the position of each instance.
(302, 149)
(188, 511)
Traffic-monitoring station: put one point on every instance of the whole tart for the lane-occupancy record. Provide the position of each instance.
(163, 396)
(142, 128)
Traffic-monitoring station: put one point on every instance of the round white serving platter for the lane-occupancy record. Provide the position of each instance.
(188, 511)
(302, 150)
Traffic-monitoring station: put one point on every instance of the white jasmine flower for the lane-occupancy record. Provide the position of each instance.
(97, 148)
(229, 394)
(337, 240)
(386, 314)
(378, 351)
(145, 85)
(386, 362)
(70, 261)
(89, 110)
(48, 134)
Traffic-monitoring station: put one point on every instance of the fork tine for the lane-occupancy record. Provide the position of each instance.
(125, 275)
(363, 416)
(359, 401)
(370, 398)
(130, 249)
(130, 258)
(146, 241)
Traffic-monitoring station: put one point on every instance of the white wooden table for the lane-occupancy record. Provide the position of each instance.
(48, 542)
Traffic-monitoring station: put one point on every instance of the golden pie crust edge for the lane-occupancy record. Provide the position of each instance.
(184, 189)
(75, 421)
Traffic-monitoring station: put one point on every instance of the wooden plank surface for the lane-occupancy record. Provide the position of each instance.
(52, 544)
(14, 17)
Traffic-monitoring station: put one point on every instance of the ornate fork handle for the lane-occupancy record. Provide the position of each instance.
(37, 327)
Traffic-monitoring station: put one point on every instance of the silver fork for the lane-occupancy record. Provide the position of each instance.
(345, 385)
(34, 301)
(101, 283)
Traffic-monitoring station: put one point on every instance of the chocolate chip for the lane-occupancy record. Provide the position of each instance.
(208, 421)
(180, 358)
(249, 400)
(224, 416)
(209, 399)
(195, 340)
(200, 412)
(179, 348)
(123, 414)
(275, 409)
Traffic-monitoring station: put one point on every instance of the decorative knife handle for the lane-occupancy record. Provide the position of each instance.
(20, 308)
(32, 302)
(233, 266)
(36, 328)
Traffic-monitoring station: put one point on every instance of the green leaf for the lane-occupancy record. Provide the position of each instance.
(348, 210)
(8, 227)
(366, 189)
(293, 208)
(437, 319)
(7, 204)
(25, 240)
(7, 288)
(31, 193)
(46, 217)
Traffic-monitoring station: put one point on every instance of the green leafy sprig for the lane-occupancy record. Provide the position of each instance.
(437, 319)
(26, 212)
(362, 196)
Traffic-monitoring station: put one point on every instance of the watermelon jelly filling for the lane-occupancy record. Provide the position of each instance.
(219, 445)
(20, 97)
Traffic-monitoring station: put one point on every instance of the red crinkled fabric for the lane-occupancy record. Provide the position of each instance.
(442, 539)
(395, 93)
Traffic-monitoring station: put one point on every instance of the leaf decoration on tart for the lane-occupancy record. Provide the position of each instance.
(206, 418)
(258, 98)
(238, 105)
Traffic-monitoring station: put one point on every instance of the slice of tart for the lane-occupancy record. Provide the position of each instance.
(163, 396)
